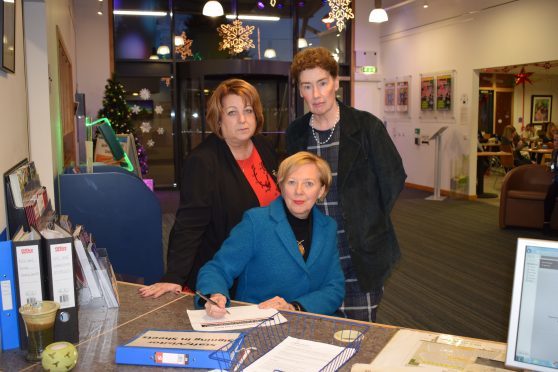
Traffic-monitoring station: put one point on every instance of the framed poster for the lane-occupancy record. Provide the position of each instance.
(389, 97)
(541, 109)
(402, 96)
(427, 93)
(8, 34)
(443, 92)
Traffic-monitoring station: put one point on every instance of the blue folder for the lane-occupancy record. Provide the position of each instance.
(9, 330)
(173, 357)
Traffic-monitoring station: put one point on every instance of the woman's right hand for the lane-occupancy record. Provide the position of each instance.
(216, 311)
(159, 289)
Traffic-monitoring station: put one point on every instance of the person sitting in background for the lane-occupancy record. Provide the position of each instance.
(512, 143)
(529, 134)
(552, 192)
(231, 171)
(285, 255)
(548, 138)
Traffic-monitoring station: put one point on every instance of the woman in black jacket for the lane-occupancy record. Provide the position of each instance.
(232, 171)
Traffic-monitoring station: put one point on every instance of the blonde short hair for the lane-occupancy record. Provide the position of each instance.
(241, 88)
(290, 164)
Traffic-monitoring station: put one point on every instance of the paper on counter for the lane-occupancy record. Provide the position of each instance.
(297, 355)
(240, 317)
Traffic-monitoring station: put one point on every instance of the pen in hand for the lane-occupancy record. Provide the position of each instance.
(210, 301)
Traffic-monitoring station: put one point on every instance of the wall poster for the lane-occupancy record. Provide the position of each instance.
(427, 93)
(402, 96)
(443, 92)
(389, 97)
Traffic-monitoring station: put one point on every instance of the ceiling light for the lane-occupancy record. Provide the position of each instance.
(253, 17)
(425, 5)
(178, 40)
(327, 19)
(270, 53)
(139, 13)
(213, 8)
(378, 15)
(302, 43)
(154, 56)
(163, 50)
(100, 11)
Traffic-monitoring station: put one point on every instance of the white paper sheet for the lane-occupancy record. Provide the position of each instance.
(296, 355)
(240, 317)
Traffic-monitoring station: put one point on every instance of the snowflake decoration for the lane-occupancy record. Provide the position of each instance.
(340, 10)
(135, 109)
(145, 127)
(158, 109)
(236, 37)
(150, 143)
(185, 49)
(272, 2)
(145, 94)
(161, 131)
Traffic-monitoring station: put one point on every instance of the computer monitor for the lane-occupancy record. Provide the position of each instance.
(533, 329)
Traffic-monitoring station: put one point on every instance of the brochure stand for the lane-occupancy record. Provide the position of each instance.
(437, 164)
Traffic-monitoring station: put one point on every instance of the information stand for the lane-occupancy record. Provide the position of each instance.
(437, 164)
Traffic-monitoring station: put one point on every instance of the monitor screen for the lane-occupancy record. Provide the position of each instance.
(533, 329)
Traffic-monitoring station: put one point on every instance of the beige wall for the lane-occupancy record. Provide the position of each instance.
(14, 146)
(505, 35)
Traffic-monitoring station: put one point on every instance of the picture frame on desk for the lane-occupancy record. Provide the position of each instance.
(8, 17)
(541, 109)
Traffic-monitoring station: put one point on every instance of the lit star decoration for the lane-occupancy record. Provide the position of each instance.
(236, 37)
(161, 131)
(158, 109)
(145, 94)
(523, 77)
(340, 11)
(145, 127)
(135, 109)
(185, 49)
(150, 143)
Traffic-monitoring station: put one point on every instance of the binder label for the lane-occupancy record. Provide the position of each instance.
(171, 358)
(29, 274)
(6, 289)
(62, 274)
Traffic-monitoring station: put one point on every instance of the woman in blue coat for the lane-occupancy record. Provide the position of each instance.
(284, 255)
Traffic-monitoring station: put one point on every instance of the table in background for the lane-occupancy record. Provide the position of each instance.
(540, 153)
(102, 330)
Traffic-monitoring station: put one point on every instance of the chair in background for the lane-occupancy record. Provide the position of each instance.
(522, 197)
(507, 160)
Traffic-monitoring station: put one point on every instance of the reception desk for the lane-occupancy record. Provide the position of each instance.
(101, 330)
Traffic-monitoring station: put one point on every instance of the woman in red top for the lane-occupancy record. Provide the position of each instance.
(231, 171)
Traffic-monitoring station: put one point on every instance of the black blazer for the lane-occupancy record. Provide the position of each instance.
(213, 197)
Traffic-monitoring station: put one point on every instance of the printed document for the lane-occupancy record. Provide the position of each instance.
(240, 317)
(295, 354)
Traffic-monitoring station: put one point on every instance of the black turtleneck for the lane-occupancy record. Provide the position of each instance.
(302, 229)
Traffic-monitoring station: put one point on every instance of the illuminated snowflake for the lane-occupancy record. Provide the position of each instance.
(150, 143)
(145, 94)
(161, 130)
(236, 37)
(185, 49)
(158, 109)
(145, 127)
(135, 109)
(340, 11)
(272, 2)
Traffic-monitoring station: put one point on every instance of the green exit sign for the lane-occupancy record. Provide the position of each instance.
(368, 69)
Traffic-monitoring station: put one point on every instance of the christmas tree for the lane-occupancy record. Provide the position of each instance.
(118, 113)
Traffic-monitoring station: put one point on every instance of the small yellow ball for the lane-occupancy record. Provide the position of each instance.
(59, 357)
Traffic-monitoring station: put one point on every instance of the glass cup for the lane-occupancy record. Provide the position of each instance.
(39, 324)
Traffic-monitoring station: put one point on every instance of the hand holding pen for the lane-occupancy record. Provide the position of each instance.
(215, 306)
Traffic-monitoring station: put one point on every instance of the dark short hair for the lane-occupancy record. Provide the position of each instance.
(311, 58)
(241, 88)
(290, 164)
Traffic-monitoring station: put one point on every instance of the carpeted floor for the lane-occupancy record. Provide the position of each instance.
(456, 271)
